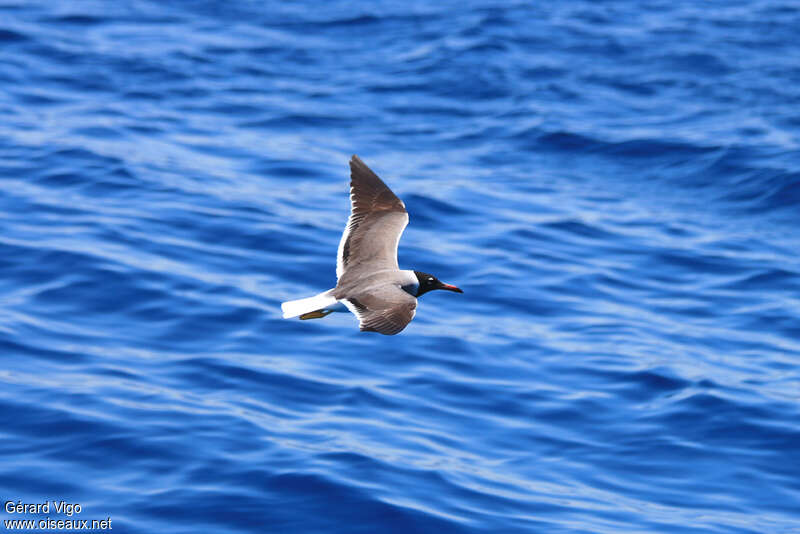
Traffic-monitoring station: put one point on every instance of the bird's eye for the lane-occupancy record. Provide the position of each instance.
(430, 279)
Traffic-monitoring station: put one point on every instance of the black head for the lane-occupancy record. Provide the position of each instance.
(428, 282)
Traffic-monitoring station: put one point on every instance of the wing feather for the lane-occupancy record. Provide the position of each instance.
(377, 220)
(385, 314)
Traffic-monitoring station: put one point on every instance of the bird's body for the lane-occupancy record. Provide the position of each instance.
(370, 282)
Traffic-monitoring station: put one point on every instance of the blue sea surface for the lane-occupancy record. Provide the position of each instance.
(615, 186)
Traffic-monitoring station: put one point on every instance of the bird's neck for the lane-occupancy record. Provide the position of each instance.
(409, 282)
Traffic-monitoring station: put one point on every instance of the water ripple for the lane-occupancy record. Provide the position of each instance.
(615, 187)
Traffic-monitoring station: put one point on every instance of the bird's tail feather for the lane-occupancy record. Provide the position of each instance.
(293, 308)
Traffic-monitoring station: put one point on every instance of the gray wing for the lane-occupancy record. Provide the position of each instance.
(387, 311)
(377, 219)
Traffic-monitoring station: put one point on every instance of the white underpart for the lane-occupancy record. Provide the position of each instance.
(293, 308)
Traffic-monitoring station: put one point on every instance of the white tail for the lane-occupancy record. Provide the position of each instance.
(293, 308)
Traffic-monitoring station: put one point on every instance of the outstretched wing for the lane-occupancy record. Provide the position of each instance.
(388, 311)
(377, 219)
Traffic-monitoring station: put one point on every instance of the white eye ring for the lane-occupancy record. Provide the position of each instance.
(430, 279)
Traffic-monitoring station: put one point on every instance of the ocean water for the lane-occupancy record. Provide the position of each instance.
(615, 186)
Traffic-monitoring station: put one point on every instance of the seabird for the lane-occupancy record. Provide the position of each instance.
(369, 282)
